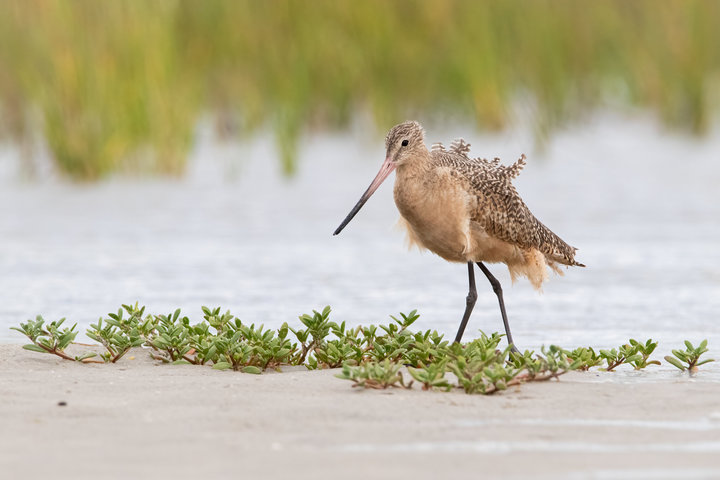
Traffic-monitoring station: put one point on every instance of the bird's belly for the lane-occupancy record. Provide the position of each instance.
(449, 246)
(438, 223)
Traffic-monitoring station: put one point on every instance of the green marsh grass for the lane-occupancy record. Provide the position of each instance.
(119, 85)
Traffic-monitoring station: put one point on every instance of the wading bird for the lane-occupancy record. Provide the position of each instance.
(466, 210)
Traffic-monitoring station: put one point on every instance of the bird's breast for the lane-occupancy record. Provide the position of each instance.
(434, 206)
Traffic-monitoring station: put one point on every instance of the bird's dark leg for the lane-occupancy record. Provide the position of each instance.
(498, 291)
(470, 302)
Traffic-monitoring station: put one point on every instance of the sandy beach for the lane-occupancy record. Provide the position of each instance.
(140, 419)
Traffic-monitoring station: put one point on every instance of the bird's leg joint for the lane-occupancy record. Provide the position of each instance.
(471, 297)
(497, 288)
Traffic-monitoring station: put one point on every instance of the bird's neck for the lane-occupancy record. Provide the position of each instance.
(416, 164)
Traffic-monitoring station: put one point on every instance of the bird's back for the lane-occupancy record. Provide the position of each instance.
(498, 208)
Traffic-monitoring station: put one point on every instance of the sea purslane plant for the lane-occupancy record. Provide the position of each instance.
(370, 356)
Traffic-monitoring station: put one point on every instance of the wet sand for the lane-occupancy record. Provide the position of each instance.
(139, 419)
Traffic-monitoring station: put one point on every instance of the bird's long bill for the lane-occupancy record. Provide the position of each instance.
(386, 169)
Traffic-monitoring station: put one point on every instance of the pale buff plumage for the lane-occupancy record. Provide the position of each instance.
(467, 210)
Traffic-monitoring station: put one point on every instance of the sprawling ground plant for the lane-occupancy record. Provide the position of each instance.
(689, 359)
(375, 374)
(586, 356)
(371, 356)
(50, 338)
(633, 353)
(432, 376)
(118, 335)
(644, 350)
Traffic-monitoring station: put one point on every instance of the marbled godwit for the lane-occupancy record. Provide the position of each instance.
(466, 210)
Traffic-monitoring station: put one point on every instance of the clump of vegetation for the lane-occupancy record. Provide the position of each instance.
(586, 356)
(432, 376)
(551, 363)
(371, 356)
(644, 350)
(478, 375)
(120, 85)
(119, 334)
(375, 374)
(225, 342)
(618, 356)
(50, 338)
(689, 359)
(633, 353)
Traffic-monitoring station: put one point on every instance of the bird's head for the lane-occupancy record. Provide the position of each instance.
(403, 143)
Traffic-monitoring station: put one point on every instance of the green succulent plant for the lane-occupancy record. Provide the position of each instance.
(370, 356)
(689, 359)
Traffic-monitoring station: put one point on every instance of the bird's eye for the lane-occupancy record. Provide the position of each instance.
(404, 143)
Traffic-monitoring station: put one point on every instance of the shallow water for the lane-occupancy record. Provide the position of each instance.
(641, 204)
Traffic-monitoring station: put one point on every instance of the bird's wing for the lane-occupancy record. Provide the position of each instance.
(499, 210)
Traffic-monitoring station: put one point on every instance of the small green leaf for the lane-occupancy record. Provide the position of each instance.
(35, 348)
(251, 369)
(85, 355)
(633, 358)
(675, 362)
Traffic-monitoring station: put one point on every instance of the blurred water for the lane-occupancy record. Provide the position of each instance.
(642, 205)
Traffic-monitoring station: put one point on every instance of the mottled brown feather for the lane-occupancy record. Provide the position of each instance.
(467, 210)
(500, 210)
